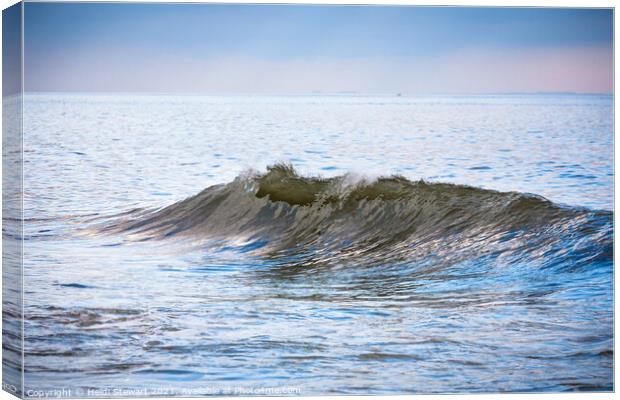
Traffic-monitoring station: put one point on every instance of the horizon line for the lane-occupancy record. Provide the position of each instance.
(318, 93)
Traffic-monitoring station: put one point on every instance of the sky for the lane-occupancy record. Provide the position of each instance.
(219, 48)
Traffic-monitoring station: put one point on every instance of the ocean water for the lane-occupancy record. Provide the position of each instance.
(196, 245)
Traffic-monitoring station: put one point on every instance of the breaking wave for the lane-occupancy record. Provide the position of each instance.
(346, 220)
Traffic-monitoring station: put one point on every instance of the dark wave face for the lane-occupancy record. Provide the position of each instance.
(312, 221)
